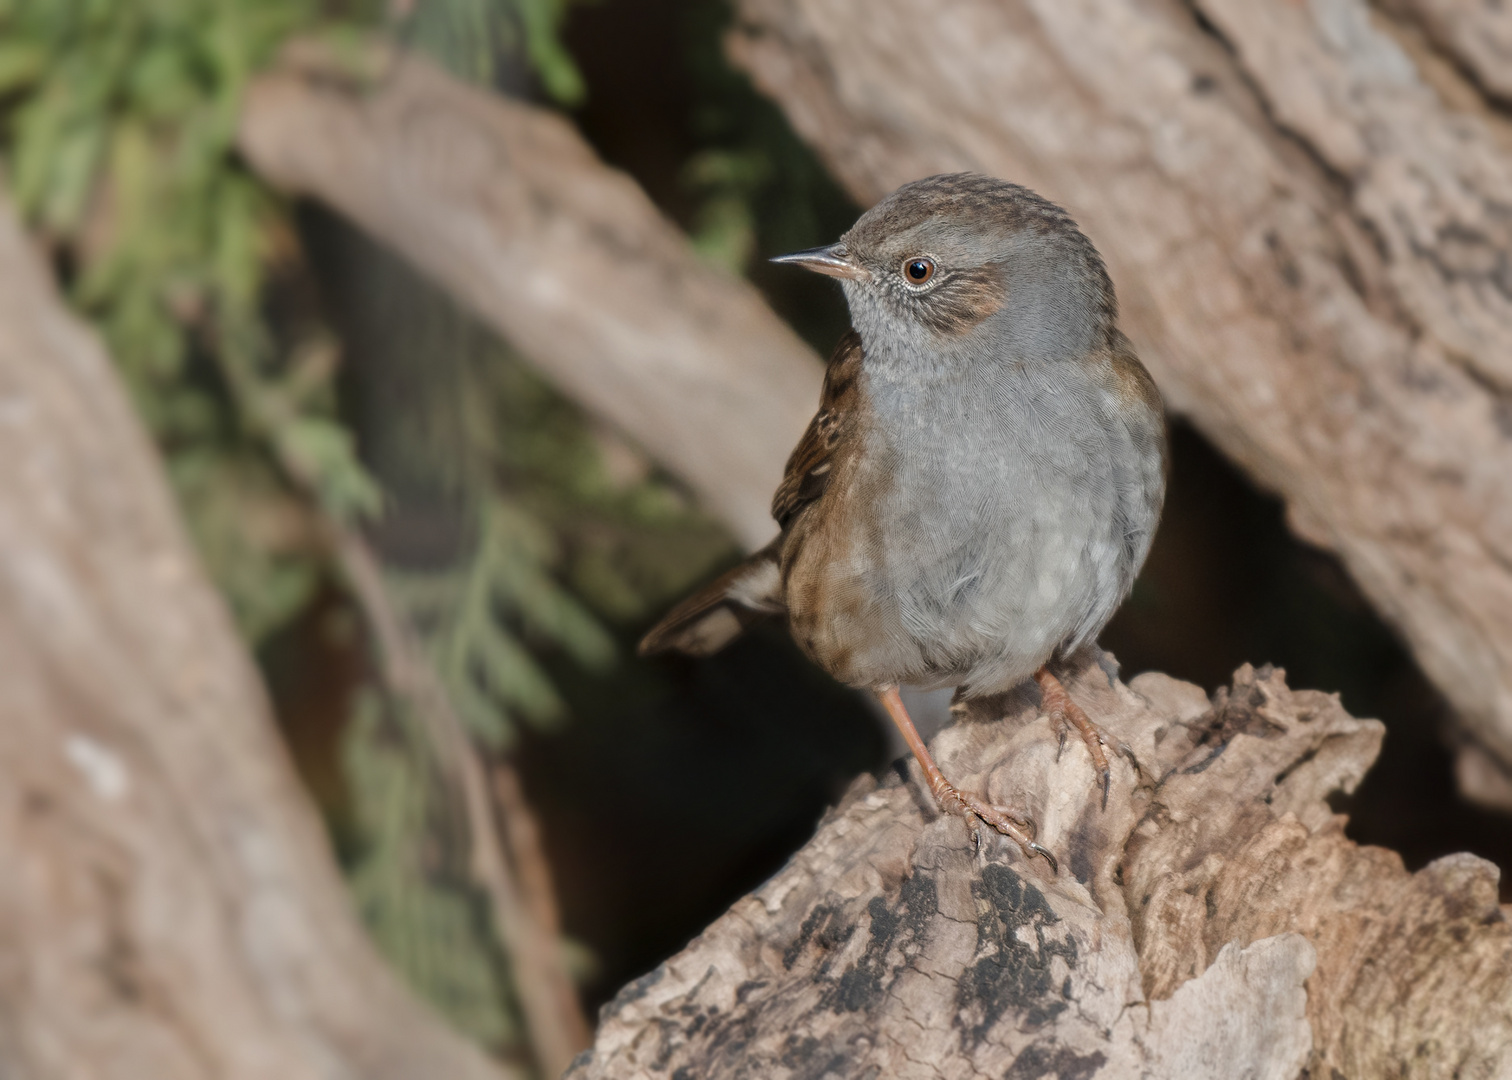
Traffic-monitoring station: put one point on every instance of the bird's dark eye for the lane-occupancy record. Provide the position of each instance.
(919, 270)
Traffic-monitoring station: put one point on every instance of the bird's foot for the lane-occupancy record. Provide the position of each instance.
(950, 799)
(1066, 714)
(1017, 827)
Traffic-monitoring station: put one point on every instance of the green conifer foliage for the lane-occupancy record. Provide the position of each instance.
(118, 134)
(409, 884)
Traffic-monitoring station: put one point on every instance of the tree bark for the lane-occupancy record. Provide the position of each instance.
(1475, 36)
(169, 906)
(1211, 921)
(1305, 208)
(508, 208)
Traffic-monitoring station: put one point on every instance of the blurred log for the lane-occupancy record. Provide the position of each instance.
(508, 208)
(1308, 215)
(169, 907)
(1213, 921)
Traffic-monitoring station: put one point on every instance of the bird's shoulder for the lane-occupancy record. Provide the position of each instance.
(1139, 402)
(1132, 382)
(812, 462)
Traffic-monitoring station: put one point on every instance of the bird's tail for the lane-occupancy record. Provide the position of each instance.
(715, 615)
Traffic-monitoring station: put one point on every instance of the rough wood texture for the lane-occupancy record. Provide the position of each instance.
(508, 208)
(1476, 35)
(168, 906)
(1213, 921)
(1308, 215)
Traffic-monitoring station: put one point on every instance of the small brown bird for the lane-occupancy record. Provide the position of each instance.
(984, 476)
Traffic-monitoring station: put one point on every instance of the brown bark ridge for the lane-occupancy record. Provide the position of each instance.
(1475, 35)
(1212, 921)
(1307, 209)
(509, 209)
(169, 907)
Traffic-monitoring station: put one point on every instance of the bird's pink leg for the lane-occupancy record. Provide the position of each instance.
(1063, 711)
(948, 797)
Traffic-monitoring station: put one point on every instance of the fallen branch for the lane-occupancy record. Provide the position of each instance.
(1213, 921)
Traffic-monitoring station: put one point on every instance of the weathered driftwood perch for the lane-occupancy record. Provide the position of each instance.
(1305, 208)
(1213, 921)
(169, 907)
(510, 210)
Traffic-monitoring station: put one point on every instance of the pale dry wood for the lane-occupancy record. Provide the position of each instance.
(508, 208)
(169, 907)
(1213, 921)
(1308, 216)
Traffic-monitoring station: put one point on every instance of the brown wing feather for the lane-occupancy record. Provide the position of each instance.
(713, 616)
(810, 466)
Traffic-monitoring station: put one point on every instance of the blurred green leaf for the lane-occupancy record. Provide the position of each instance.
(542, 20)
(476, 39)
(21, 62)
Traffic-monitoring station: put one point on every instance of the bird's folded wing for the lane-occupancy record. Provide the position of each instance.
(812, 462)
(711, 618)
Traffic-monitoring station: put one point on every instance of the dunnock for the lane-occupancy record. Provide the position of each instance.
(984, 475)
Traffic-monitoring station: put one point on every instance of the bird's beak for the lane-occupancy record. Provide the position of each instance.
(832, 260)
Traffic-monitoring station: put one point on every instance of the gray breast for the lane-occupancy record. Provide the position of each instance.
(1009, 528)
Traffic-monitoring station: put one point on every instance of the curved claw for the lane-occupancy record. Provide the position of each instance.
(1016, 827)
(1105, 778)
(1040, 849)
(1030, 846)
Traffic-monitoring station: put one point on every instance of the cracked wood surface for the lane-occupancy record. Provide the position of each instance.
(169, 907)
(1307, 210)
(1213, 921)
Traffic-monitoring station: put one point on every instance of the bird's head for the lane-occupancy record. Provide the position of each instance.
(963, 265)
